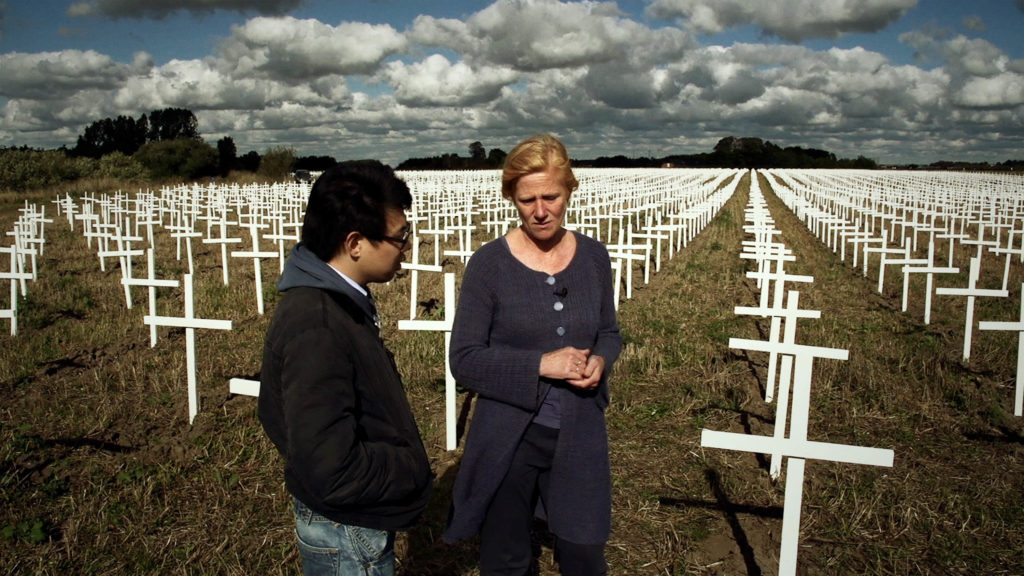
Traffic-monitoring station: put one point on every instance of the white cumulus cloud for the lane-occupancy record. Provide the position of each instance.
(54, 75)
(296, 49)
(792, 20)
(435, 81)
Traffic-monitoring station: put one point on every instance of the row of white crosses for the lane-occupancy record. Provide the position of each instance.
(180, 212)
(943, 207)
(794, 377)
(639, 214)
(27, 242)
(880, 208)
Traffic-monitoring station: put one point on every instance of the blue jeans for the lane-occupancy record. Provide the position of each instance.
(329, 548)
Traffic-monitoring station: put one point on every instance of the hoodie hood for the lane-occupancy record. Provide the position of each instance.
(305, 269)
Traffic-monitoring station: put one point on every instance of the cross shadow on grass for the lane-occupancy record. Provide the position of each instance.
(731, 511)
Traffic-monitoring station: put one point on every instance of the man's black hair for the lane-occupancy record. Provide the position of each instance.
(351, 197)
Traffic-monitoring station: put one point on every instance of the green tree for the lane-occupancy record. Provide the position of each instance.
(496, 158)
(122, 134)
(277, 163)
(182, 158)
(227, 154)
(28, 169)
(250, 161)
(477, 153)
(119, 166)
(172, 124)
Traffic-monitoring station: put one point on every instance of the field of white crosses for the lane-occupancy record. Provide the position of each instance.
(823, 371)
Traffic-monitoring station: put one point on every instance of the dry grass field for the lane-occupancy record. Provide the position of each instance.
(100, 472)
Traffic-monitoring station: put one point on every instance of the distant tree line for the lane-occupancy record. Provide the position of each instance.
(1004, 166)
(159, 146)
(166, 145)
(127, 135)
(479, 159)
(732, 152)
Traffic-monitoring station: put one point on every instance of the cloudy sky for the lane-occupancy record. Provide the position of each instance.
(902, 81)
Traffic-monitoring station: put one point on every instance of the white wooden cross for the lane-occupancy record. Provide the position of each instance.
(980, 241)
(32, 225)
(776, 313)
(929, 270)
(864, 240)
(1009, 251)
(971, 292)
(883, 250)
(656, 237)
(190, 323)
(184, 232)
(797, 447)
(1018, 399)
(624, 258)
(905, 261)
(124, 254)
(152, 283)
(464, 232)
(626, 254)
(146, 216)
(20, 250)
(256, 254)
(279, 237)
(14, 276)
(793, 313)
(223, 240)
(69, 209)
(451, 439)
(414, 277)
(952, 237)
(89, 219)
(438, 236)
(763, 254)
(104, 232)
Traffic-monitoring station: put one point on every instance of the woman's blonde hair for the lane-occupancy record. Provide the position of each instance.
(537, 153)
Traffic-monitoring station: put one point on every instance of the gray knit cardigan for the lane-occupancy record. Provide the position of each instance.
(509, 315)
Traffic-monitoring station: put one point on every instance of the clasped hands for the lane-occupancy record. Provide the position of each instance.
(579, 368)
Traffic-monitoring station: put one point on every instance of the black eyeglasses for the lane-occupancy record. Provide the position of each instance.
(400, 242)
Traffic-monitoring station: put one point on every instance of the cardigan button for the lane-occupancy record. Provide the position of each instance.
(559, 306)
(561, 331)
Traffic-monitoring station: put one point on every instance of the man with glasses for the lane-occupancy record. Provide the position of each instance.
(331, 399)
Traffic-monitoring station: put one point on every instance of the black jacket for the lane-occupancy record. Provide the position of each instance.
(332, 401)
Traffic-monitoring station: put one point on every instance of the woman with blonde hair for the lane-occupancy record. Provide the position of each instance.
(535, 336)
